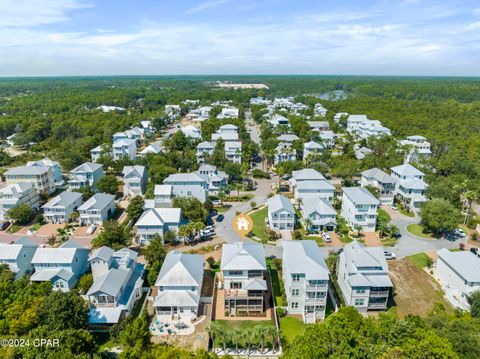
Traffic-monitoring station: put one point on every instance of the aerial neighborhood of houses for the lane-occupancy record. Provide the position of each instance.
(320, 240)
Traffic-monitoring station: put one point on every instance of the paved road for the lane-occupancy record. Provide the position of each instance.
(252, 127)
(408, 243)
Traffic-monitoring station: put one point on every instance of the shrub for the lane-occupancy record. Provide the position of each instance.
(211, 262)
(39, 219)
(281, 312)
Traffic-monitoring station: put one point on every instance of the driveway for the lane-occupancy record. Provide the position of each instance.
(408, 243)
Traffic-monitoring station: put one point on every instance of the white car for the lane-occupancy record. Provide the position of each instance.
(217, 202)
(326, 237)
(459, 232)
(392, 206)
(389, 255)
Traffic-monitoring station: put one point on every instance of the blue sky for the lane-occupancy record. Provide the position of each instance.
(147, 37)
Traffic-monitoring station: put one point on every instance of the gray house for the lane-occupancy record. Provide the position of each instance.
(18, 256)
(318, 214)
(60, 208)
(188, 185)
(157, 221)
(382, 181)
(85, 175)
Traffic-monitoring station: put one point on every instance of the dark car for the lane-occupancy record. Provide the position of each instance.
(210, 221)
(4, 225)
(474, 250)
(220, 218)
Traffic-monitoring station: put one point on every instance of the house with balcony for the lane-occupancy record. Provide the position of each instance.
(18, 256)
(233, 151)
(410, 188)
(318, 214)
(97, 209)
(40, 177)
(117, 286)
(312, 149)
(199, 114)
(228, 112)
(62, 266)
(359, 208)
(418, 148)
(204, 150)
(361, 127)
(459, 275)
(15, 194)
(85, 175)
(281, 214)
(179, 286)
(243, 272)
(305, 278)
(306, 174)
(134, 133)
(157, 221)
(316, 189)
(228, 133)
(318, 126)
(55, 166)
(135, 180)
(162, 196)
(188, 185)
(97, 152)
(124, 148)
(382, 181)
(284, 152)
(217, 180)
(362, 275)
(60, 208)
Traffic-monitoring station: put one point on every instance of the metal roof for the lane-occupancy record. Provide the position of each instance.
(243, 256)
(305, 257)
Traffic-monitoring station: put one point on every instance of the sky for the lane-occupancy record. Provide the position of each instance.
(187, 37)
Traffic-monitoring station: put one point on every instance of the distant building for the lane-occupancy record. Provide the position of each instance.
(410, 188)
(228, 112)
(154, 148)
(135, 180)
(382, 181)
(312, 149)
(305, 278)
(188, 185)
(40, 177)
(277, 120)
(204, 150)
(288, 137)
(55, 166)
(192, 132)
(85, 175)
(124, 148)
(361, 127)
(284, 152)
(418, 148)
(319, 110)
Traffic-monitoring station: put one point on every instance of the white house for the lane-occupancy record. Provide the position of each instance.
(361, 127)
(41, 177)
(359, 208)
(15, 194)
(227, 133)
(305, 278)
(338, 116)
(97, 209)
(418, 148)
(188, 185)
(306, 174)
(154, 148)
(204, 150)
(327, 138)
(284, 152)
(124, 148)
(157, 221)
(85, 175)
(410, 187)
(191, 131)
(281, 214)
(319, 110)
(243, 270)
(117, 286)
(318, 214)
(96, 152)
(288, 137)
(163, 194)
(233, 151)
(228, 112)
(200, 114)
(135, 180)
(147, 127)
(61, 266)
(18, 256)
(382, 181)
(277, 120)
(361, 152)
(317, 189)
(459, 275)
(55, 166)
(217, 180)
(362, 275)
(173, 111)
(312, 148)
(179, 286)
(318, 126)
(60, 208)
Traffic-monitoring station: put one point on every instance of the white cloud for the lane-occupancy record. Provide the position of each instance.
(206, 6)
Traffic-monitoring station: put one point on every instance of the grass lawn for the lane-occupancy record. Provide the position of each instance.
(420, 260)
(276, 283)
(291, 327)
(383, 213)
(389, 242)
(242, 324)
(37, 226)
(14, 228)
(418, 230)
(258, 218)
(405, 213)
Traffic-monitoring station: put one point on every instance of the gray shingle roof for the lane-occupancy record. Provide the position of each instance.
(318, 205)
(26, 170)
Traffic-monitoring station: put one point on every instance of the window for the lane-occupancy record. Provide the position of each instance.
(236, 285)
(295, 292)
(360, 291)
(295, 277)
(359, 302)
(294, 305)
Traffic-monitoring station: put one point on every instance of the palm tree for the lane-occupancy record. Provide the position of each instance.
(224, 335)
(358, 228)
(212, 332)
(197, 227)
(262, 332)
(272, 333)
(237, 337)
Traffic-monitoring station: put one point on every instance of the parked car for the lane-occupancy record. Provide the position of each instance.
(209, 228)
(217, 202)
(389, 255)
(210, 221)
(459, 232)
(220, 218)
(4, 225)
(474, 250)
(392, 206)
(326, 237)
(91, 228)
